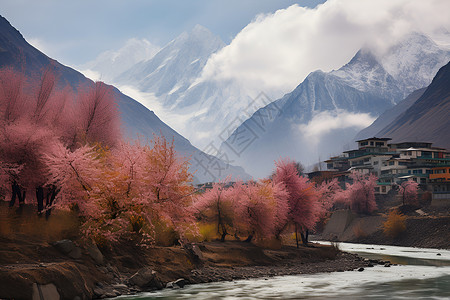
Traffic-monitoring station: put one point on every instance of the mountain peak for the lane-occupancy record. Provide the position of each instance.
(363, 56)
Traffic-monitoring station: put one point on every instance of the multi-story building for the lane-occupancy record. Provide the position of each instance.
(392, 163)
(440, 184)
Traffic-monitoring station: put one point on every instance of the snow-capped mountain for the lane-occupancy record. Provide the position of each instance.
(200, 110)
(324, 113)
(110, 64)
(175, 66)
(137, 120)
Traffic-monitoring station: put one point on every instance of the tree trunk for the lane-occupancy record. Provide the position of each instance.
(296, 235)
(222, 238)
(40, 198)
(305, 237)
(249, 238)
(15, 193)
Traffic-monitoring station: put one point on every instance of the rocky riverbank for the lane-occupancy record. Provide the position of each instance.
(425, 228)
(32, 270)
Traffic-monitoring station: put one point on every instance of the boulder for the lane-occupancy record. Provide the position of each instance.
(95, 253)
(194, 253)
(147, 278)
(64, 246)
(45, 292)
(75, 253)
(177, 284)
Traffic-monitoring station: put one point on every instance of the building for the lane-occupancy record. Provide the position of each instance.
(392, 163)
(440, 185)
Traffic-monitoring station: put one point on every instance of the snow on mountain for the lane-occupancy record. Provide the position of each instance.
(110, 64)
(199, 110)
(414, 61)
(334, 106)
(175, 66)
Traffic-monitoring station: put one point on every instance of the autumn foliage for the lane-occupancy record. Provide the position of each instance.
(395, 224)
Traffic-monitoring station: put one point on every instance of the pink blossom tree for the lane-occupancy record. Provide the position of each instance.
(217, 205)
(329, 192)
(360, 194)
(95, 117)
(263, 206)
(303, 202)
(408, 192)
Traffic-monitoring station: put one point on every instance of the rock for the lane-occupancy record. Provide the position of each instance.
(146, 277)
(369, 265)
(75, 253)
(95, 253)
(45, 292)
(386, 265)
(177, 284)
(64, 246)
(438, 254)
(360, 269)
(194, 252)
(99, 291)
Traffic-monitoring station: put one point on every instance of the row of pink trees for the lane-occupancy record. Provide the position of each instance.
(67, 144)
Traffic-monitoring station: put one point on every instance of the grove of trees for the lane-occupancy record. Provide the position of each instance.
(62, 148)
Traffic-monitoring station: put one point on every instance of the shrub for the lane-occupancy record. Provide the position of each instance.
(395, 224)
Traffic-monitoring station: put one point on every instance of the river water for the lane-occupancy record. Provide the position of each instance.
(421, 274)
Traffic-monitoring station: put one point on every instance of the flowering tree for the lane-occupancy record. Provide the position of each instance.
(95, 116)
(120, 191)
(361, 194)
(408, 192)
(262, 207)
(217, 206)
(303, 202)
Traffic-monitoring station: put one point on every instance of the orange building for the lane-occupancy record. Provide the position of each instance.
(440, 173)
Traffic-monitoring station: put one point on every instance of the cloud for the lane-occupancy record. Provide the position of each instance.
(153, 103)
(275, 52)
(325, 122)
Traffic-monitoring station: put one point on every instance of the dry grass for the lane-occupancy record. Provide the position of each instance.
(359, 231)
(16, 223)
(395, 224)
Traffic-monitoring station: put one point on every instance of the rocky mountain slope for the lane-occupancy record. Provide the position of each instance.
(428, 118)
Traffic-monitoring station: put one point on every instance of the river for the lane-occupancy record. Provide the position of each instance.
(421, 274)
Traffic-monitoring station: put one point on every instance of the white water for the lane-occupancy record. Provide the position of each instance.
(424, 275)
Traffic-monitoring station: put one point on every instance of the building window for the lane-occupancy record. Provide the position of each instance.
(383, 189)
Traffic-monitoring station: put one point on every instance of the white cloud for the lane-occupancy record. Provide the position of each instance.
(277, 51)
(325, 122)
(153, 103)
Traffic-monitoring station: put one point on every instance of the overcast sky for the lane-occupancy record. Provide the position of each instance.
(272, 45)
(76, 31)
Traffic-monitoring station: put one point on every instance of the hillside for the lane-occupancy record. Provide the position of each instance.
(428, 118)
